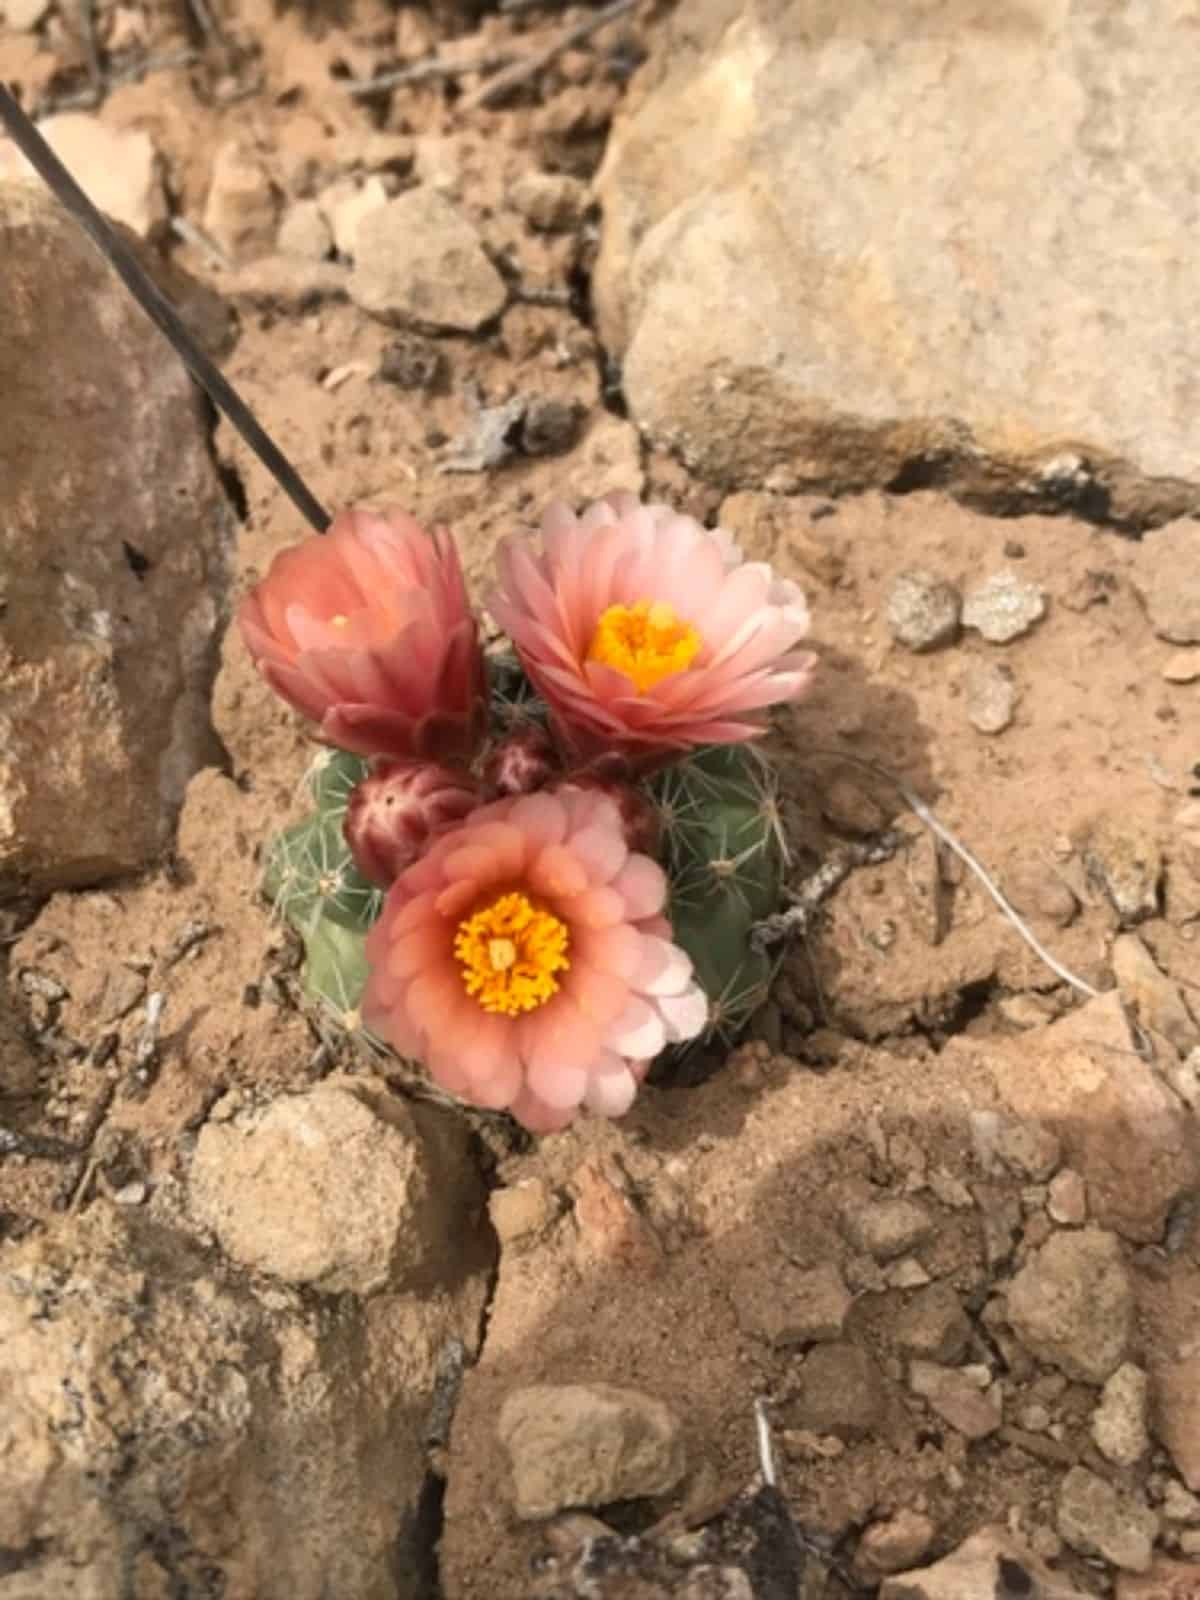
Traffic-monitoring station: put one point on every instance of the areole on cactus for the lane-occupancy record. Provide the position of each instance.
(533, 896)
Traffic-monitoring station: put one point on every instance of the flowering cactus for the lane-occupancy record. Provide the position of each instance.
(536, 902)
(646, 634)
(366, 631)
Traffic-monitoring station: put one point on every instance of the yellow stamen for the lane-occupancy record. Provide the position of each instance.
(646, 641)
(509, 952)
(339, 621)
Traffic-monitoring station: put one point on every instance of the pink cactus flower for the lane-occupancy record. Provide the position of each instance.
(367, 631)
(525, 959)
(646, 633)
(395, 810)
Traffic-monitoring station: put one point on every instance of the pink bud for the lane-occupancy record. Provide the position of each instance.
(393, 813)
(521, 762)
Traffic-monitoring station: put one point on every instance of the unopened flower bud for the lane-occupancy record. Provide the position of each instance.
(521, 762)
(394, 812)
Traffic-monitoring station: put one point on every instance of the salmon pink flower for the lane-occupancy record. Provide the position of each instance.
(647, 634)
(525, 959)
(367, 631)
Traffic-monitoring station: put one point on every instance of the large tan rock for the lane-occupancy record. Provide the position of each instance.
(113, 535)
(343, 1188)
(830, 253)
(1122, 1128)
(163, 1431)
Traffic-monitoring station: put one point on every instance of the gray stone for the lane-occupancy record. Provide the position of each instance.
(304, 233)
(782, 326)
(587, 1445)
(337, 1188)
(1003, 607)
(1072, 1304)
(1097, 1520)
(1119, 1421)
(990, 1565)
(113, 574)
(887, 1228)
(418, 260)
(118, 169)
(838, 1390)
(1166, 574)
(923, 611)
(991, 697)
(1028, 1148)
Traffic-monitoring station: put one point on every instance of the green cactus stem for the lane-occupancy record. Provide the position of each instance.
(725, 855)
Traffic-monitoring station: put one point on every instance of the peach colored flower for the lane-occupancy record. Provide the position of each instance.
(646, 633)
(367, 631)
(524, 958)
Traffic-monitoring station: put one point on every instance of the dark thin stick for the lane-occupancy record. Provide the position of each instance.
(158, 308)
(427, 71)
(522, 71)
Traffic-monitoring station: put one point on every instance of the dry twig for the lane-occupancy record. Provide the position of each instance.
(521, 71)
(427, 71)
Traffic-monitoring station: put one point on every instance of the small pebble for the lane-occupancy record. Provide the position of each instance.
(551, 201)
(1066, 1199)
(304, 233)
(411, 362)
(550, 427)
(1182, 667)
(1004, 607)
(991, 697)
(923, 611)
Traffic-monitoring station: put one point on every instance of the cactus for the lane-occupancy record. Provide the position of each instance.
(724, 852)
(314, 885)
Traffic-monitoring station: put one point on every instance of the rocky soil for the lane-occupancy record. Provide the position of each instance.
(275, 1322)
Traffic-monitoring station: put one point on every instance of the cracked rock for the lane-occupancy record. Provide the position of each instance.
(343, 1188)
